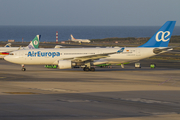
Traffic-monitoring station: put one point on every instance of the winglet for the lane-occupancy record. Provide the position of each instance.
(19, 48)
(8, 45)
(121, 50)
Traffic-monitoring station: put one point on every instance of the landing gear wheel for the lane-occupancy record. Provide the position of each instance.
(23, 69)
(86, 69)
(92, 69)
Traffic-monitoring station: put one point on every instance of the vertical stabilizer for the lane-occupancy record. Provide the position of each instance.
(34, 43)
(162, 37)
(72, 38)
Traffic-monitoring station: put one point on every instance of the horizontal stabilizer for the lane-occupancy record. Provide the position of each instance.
(157, 50)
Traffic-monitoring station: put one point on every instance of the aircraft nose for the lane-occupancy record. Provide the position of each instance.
(7, 58)
(13, 59)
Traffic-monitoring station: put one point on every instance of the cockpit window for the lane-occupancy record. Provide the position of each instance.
(11, 53)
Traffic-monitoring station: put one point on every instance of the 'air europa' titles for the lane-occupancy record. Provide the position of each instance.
(43, 54)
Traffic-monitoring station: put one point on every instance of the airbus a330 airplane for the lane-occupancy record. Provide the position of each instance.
(67, 58)
(32, 45)
(80, 40)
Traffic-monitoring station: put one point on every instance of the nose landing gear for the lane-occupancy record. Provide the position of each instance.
(23, 68)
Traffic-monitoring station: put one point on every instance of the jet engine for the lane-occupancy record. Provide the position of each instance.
(64, 64)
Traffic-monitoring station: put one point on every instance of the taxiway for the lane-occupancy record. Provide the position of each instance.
(108, 93)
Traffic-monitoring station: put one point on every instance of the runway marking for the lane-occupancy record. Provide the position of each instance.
(165, 81)
(71, 101)
(54, 89)
(161, 113)
(174, 82)
(20, 93)
(75, 100)
(2, 77)
(143, 100)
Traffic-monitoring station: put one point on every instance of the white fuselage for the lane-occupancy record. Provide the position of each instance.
(9, 49)
(52, 56)
(81, 40)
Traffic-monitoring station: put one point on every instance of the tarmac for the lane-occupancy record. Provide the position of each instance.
(113, 93)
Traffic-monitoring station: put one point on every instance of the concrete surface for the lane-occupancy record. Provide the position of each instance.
(106, 94)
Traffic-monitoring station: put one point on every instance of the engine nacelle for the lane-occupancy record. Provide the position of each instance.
(64, 64)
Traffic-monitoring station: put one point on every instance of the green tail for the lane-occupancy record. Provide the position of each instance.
(34, 43)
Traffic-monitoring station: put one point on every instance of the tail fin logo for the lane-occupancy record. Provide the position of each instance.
(35, 42)
(163, 36)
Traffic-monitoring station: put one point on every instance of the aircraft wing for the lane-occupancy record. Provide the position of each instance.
(93, 57)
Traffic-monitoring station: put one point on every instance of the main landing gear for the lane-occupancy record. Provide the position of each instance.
(23, 68)
(88, 67)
